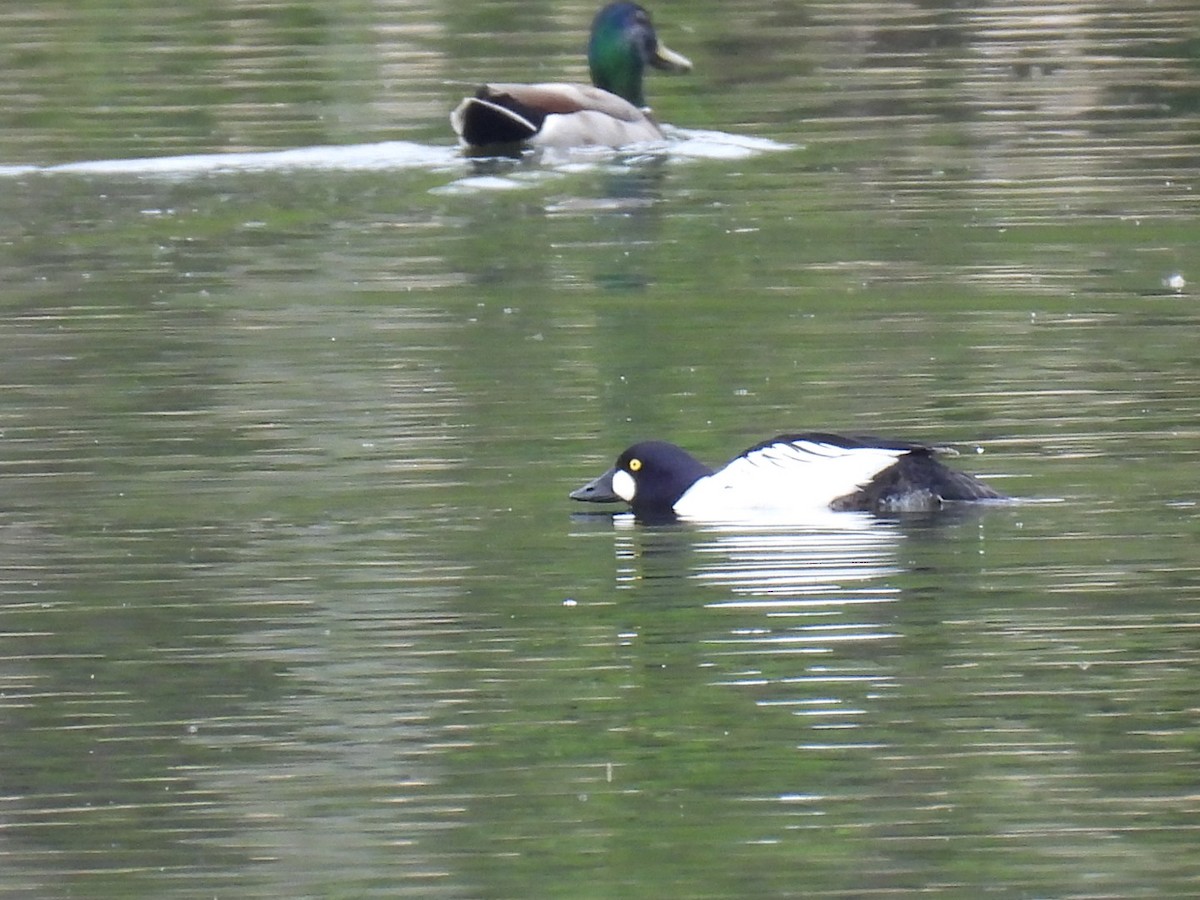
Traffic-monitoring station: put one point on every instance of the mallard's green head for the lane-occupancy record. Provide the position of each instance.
(623, 42)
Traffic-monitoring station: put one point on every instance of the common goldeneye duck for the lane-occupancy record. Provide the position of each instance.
(792, 473)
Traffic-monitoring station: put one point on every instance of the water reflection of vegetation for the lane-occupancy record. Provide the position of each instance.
(285, 457)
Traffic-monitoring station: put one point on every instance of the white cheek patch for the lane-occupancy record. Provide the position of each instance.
(623, 485)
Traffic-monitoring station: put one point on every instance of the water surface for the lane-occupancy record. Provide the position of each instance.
(292, 601)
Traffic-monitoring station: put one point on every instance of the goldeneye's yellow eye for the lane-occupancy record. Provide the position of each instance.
(635, 464)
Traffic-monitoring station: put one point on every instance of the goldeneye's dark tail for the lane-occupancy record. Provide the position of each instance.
(917, 482)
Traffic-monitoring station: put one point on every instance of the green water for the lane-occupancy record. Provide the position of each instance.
(292, 600)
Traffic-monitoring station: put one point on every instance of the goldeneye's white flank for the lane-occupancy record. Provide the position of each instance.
(792, 473)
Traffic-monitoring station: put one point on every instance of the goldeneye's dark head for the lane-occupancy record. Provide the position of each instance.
(650, 476)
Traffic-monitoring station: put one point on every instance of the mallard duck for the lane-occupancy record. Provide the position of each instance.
(611, 112)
